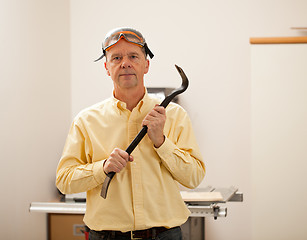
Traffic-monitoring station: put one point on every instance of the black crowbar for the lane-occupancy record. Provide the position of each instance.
(142, 133)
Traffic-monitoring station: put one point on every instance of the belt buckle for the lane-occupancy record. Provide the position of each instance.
(132, 236)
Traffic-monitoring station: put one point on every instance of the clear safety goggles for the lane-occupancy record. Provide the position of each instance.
(130, 35)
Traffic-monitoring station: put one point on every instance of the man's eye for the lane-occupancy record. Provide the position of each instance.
(116, 58)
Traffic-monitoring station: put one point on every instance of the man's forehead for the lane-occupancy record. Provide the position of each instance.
(122, 53)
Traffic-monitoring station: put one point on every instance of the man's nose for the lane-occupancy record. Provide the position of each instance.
(126, 63)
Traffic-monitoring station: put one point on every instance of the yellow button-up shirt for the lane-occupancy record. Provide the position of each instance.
(145, 193)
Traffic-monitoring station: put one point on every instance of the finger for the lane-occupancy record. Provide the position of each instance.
(123, 155)
(118, 164)
(117, 161)
(153, 115)
(114, 168)
(111, 166)
(159, 109)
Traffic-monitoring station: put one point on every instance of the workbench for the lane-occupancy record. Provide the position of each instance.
(202, 203)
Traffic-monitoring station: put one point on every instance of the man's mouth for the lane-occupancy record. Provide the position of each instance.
(126, 74)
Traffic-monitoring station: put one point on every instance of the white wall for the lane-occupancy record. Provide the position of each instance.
(279, 141)
(35, 109)
(210, 41)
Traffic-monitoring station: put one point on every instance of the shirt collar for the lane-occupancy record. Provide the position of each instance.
(121, 106)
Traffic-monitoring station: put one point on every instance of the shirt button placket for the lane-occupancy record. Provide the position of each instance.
(136, 177)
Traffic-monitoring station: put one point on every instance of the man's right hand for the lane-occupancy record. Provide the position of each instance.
(117, 160)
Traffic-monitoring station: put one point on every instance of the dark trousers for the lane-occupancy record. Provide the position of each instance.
(170, 234)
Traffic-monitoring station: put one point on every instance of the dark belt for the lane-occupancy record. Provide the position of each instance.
(138, 234)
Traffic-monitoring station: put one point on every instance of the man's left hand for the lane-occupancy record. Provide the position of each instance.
(155, 121)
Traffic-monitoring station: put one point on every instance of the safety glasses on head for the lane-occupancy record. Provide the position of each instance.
(130, 35)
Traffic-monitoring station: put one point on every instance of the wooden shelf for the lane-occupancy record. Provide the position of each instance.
(278, 40)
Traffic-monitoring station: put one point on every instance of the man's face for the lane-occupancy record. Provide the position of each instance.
(126, 64)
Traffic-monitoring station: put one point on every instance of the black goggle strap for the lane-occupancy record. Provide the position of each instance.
(147, 50)
(101, 57)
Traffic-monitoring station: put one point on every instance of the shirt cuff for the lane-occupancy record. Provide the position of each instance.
(166, 150)
(98, 172)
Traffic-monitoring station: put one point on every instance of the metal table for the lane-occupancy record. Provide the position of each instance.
(199, 206)
(194, 228)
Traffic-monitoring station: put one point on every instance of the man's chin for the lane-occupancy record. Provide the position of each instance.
(128, 85)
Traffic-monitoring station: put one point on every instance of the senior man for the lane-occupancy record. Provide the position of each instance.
(144, 200)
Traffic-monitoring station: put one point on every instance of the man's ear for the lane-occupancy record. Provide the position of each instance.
(107, 69)
(146, 66)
